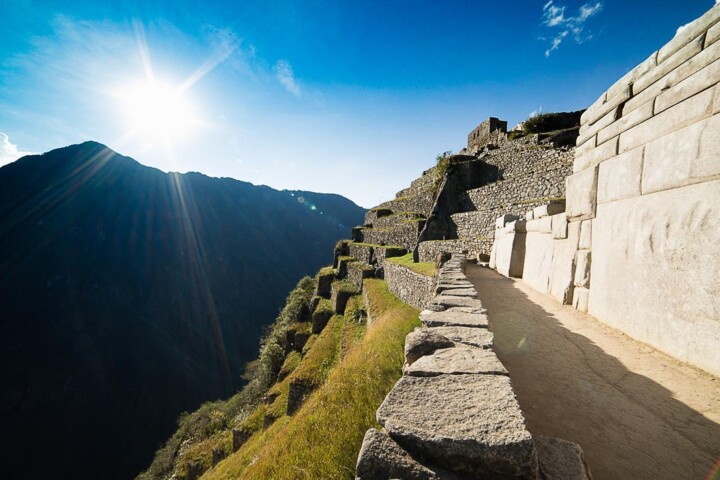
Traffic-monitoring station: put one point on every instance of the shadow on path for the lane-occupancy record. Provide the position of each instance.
(584, 387)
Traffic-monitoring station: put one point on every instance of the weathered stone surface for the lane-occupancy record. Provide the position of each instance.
(466, 309)
(619, 177)
(423, 342)
(460, 292)
(541, 225)
(559, 226)
(530, 215)
(667, 66)
(443, 286)
(469, 423)
(448, 301)
(549, 209)
(510, 253)
(650, 255)
(560, 460)
(516, 226)
(453, 319)
(456, 361)
(539, 250)
(674, 118)
(582, 194)
(595, 156)
(698, 82)
(475, 337)
(585, 242)
(687, 156)
(563, 266)
(582, 269)
(626, 122)
(689, 32)
(581, 298)
(381, 458)
(411, 287)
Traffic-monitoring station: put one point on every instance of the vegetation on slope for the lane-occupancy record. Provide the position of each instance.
(208, 426)
(322, 439)
(423, 268)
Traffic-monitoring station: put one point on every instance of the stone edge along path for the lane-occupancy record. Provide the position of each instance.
(453, 414)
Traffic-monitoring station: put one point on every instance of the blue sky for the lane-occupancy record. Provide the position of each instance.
(355, 98)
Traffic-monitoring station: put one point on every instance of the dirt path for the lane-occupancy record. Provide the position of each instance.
(637, 413)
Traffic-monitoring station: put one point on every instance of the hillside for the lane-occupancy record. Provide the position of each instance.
(131, 295)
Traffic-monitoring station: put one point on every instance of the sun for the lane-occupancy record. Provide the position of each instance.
(158, 111)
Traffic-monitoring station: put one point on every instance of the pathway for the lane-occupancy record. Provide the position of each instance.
(637, 413)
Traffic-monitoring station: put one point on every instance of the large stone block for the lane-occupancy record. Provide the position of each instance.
(381, 458)
(582, 269)
(626, 122)
(563, 266)
(582, 194)
(713, 34)
(423, 342)
(690, 111)
(698, 82)
(654, 271)
(453, 319)
(559, 226)
(460, 360)
(539, 248)
(581, 297)
(542, 225)
(505, 219)
(510, 254)
(552, 208)
(671, 63)
(620, 177)
(585, 242)
(689, 32)
(469, 423)
(475, 337)
(595, 156)
(687, 156)
(449, 301)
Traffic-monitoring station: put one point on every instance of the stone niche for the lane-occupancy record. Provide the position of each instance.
(479, 137)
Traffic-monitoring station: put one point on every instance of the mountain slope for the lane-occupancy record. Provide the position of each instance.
(130, 295)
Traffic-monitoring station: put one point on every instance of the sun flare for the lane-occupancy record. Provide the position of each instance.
(158, 110)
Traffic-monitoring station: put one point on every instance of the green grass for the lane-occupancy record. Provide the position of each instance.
(322, 440)
(424, 268)
(326, 271)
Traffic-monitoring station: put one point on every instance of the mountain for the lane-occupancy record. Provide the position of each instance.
(130, 295)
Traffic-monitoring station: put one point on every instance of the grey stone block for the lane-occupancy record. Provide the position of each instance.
(585, 242)
(448, 301)
(582, 194)
(475, 337)
(582, 269)
(381, 458)
(559, 226)
(470, 423)
(423, 342)
(619, 177)
(455, 361)
(453, 319)
(460, 292)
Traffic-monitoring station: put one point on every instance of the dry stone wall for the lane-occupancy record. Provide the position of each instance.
(411, 287)
(453, 415)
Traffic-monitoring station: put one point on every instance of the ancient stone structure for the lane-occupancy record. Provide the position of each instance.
(453, 415)
(411, 287)
(481, 135)
(637, 245)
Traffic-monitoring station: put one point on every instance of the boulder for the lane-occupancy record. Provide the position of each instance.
(460, 292)
(467, 423)
(456, 361)
(423, 342)
(381, 458)
(560, 460)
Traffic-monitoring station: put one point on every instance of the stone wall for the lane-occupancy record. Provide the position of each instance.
(481, 135)
(454, 414)
(637, 245)
(411, 287)
(429, 251)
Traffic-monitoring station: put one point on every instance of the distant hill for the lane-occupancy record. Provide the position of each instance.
(129, 295)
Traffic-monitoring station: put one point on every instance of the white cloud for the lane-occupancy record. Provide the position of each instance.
(8, 151)
(554, 17)
(286, 77)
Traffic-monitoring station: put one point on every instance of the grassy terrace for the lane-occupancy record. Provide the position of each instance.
(423, 268)
(323, 438)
